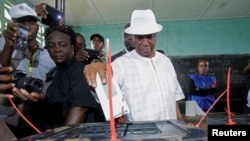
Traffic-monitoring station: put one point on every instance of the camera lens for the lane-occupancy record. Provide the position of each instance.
(30, 84)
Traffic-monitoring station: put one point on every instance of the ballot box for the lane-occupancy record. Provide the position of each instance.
(167, 130)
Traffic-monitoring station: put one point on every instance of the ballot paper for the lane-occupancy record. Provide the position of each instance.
(120, 106)
(192, 109)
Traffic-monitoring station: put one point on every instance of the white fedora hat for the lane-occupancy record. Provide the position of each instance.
(143, 22)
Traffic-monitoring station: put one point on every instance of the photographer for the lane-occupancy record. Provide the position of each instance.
(80, 53)
(34, 60)
(83, 54)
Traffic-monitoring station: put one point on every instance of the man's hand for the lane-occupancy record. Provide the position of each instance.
(92, 69)
(82, 55)
(10, 34)
(41, 10)
(5, 81)
(26, 96)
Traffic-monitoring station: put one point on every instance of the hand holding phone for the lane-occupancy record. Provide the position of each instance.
(87, 55)
(41, 10)
(93, 54)
(22, 38)
(81, 55)
(54, 16)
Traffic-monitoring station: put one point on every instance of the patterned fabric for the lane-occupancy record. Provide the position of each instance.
(204, 96)
(150, 86)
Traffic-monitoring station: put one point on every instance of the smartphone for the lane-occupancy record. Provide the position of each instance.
(54, 16)
(22, 38)
(93, 54)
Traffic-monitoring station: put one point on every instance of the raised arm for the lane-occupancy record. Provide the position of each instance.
(10, 35)
(41, 11)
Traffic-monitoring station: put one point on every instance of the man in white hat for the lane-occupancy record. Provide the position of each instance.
(34, 60)
(146, 77)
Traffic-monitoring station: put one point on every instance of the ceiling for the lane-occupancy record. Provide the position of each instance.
(96, 12)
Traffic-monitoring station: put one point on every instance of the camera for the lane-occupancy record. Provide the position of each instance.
(30, 84)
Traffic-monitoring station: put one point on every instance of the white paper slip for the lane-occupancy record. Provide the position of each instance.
(120, 106)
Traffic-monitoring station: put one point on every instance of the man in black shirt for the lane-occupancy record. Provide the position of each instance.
(68, 91)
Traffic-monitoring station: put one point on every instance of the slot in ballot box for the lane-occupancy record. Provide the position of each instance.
(167, 130)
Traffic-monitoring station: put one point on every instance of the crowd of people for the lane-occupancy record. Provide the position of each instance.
(146, 76)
